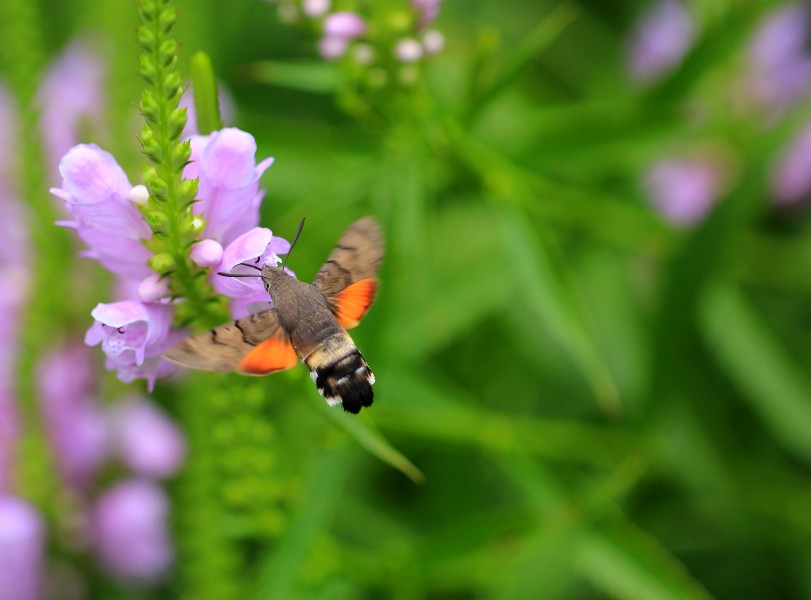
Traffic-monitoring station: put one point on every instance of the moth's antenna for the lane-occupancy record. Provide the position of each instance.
(238, 274)
(295, 239)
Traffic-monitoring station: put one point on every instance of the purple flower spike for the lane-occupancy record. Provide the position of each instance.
(660, 39)
(76, 427)
(347, 25)
(792, 178)
(683, 191)
(95, 190)
(22, 538)
(229, 183)
(130, 531)
(72, 96)
(148, 441)
(9, 433)
(781, 61)
(133, 335)
(427, 9)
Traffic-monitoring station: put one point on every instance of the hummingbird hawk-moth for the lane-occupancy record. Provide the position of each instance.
(307, 321)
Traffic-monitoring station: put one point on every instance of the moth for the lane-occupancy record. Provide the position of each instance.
(307, 322)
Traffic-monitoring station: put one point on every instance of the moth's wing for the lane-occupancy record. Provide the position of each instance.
(348, 278)
(254, 345)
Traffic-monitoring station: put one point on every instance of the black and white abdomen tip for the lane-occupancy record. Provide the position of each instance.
(348, 382)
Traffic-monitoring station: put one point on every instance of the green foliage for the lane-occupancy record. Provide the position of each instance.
(595, 403)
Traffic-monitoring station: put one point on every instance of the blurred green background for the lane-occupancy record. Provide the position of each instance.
(602, 403)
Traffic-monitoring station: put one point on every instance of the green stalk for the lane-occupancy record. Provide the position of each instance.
(169, 208)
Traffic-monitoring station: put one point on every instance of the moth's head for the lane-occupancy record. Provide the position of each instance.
(272, 276)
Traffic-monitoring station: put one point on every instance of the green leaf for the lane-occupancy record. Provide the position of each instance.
(363, 430)
(554, 303)
(206, 99)
(314, 76)
(627, 563)
(776, 387)
(322, 489)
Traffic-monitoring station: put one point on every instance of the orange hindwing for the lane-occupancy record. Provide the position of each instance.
(270, 356)
(353, 302)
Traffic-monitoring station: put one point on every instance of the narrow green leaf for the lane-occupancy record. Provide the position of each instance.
(556, 305)
(546, 32)
(314, 76)
(322, 488)
(776, 387)
(206, 99)
(627, 563)
(363, 430)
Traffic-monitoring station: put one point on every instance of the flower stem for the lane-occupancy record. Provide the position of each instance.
(169, 209)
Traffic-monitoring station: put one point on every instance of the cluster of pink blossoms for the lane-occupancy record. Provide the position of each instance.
(399, 29)
(137, 329)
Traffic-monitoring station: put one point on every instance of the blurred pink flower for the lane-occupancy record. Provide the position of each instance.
(147, 441)
(683, 190)
(130, 531)
(659, 41)
(76, 426)
(22, 541)
(71, 96)
(780, 57)
(791, 181)
(14, 286)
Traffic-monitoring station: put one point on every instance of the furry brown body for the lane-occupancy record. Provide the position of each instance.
(307, 321)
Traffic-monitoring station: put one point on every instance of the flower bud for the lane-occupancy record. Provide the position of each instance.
(433, 41)
(408, 50)
(153, 288)
(167, 52)
(158, 221)
(157, 187)
(187, 191)
(138, 195)
(177, 121)
(315, 8)
(162, 263)
(195, 227)
(345, 25)
(180, 155)
(146, 38)
(172, 85)
(147, 69)
(149, 8)
(207, 253)
(149, 108)
(167, 19)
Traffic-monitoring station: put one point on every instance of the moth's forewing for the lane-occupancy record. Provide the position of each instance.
(255, 345)
(348, 277)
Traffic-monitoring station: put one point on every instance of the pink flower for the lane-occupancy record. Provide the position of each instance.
(683, 190)
(76, 426)
(225, 162)
(95, 190)
(9, 434)
(427, 10)
(791, 181)
(133, 335)
(22, 541)
(257, 247)
(780, 57)
(347, 25)
(130, 531)
(148, 442)
(71, 97)
(660, 40)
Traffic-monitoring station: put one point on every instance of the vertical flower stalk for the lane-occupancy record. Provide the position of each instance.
(168, 210)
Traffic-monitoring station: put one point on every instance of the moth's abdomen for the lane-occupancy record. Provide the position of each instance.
(341, 374)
